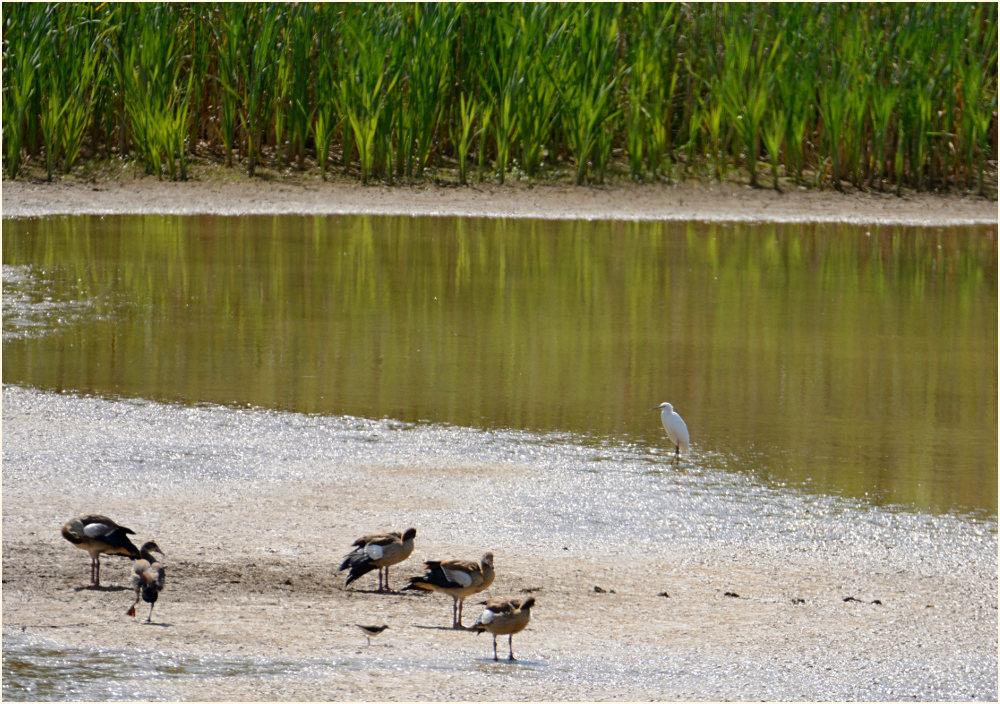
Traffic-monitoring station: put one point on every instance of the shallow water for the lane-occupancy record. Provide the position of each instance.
(845, 360)
(39, 669)
(604, 488)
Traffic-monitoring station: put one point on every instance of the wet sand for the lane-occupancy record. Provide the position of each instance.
(687, 201)
(891, 608)
(252, 575)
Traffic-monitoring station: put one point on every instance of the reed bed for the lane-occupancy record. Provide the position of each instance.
(875, 96)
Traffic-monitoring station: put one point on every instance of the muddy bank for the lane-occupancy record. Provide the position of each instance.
(789, 598)
(686, 201)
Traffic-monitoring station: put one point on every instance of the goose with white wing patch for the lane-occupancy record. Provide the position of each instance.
(381, 551)
(99, 535)
(504, 617)
(456, 578)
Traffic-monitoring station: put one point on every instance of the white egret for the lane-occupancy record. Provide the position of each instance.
(675, 426)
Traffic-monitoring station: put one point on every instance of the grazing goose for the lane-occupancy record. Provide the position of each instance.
(504, 617)
(675, 426)
(99, 534)
(147, 578)
(380, 550)
(371, 631)
(456, 578)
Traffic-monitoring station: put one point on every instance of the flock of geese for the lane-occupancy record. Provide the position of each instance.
(458, 579)
(100, 535)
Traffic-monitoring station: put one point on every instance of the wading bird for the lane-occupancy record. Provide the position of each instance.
(676, 429)
(504, 617)
(148, 576)
(99, 534)
(380, 550)
(371, 631)
(456, 578)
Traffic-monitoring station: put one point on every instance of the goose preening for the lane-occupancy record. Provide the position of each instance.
(675, 426)
(99, 534)
(371, 631)
(456, 578)
(381, 551)
(504, 617)
(147, 578)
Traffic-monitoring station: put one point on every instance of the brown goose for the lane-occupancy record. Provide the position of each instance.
(99, 534)
(381, 551)
(148, 576)
(504, 617)
(456, 578)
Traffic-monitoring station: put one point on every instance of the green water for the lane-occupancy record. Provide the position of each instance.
(859, 361)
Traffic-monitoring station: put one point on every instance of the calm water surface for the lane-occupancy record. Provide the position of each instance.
(832, 359)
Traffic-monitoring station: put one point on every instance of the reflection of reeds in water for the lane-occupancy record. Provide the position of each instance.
(872, 95)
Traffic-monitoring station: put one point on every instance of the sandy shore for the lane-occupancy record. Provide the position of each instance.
(256, 510)
(686, 201)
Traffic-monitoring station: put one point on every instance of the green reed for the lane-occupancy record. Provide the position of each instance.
(502, 84)
(24, 27)
(654, 69)
(748, 72)
(540, 33)
(876, 96)
(65, 88)
(588, 87)
(463, 135)
(325, 119)
(428, 68)
(366, 83)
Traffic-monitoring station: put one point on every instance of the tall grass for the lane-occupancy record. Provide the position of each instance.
(366, 86)
(157, 88)
(875, 95)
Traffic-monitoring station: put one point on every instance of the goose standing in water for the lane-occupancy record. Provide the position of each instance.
(147, 578)
(99, 534)
(456, 578)
(504, 617)
(381, 551)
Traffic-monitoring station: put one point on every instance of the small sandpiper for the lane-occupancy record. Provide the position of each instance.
(371, 631)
